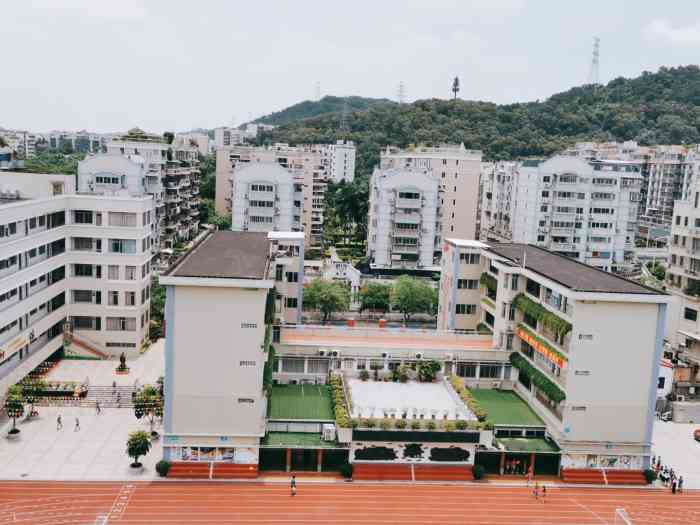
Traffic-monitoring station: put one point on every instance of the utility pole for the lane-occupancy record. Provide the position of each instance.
(455, 87)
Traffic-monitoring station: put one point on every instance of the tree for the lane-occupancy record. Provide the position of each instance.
(157, 309)
(411, 296)
(375, 296)
(14, 406)
(326, 296)
(169, 137)
(427, 371)
(148, 403)
(32, 390)
(138, 444)
(222, 222)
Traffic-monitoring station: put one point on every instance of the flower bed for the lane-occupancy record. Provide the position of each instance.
(340, 403)
(466, 396)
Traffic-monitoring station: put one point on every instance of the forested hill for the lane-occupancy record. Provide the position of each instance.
(654, 108)
(327, 106)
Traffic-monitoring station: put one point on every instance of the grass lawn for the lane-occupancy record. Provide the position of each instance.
(528, 445)
(301, 402)
(296, 439)
(505, 407)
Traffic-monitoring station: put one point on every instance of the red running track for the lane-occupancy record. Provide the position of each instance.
(161, 503)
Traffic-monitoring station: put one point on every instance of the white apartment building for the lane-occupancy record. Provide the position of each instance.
(584, 210)
(77, 141)
(572, 332)
(309, 166)
(340, 160)
(215, 396)
(23, 143)
(197, 139)
(498, 200)
(172, 177)
(72, 265)
(225, 137)
(457, 170)
(403, 224)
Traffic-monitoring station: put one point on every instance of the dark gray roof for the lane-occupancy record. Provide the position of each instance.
(227, 255)
(568, 272)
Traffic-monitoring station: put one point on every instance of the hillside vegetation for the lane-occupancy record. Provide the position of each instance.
(327, 106)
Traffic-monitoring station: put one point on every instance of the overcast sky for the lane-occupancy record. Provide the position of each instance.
(109, 65)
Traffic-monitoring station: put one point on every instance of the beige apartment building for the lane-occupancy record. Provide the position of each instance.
(457, 170)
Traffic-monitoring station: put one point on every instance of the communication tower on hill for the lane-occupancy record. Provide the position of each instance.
(401, 93)
(594, 73)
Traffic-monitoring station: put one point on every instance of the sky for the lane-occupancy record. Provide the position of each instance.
(108, 65)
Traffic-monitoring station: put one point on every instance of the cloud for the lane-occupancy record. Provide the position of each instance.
(662, 30)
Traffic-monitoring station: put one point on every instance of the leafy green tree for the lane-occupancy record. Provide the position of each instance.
(51, 162)
(411, 296)
(327, 297)
(169, 137)
(375, 296)
(222, 222)
(207, 175)
(138, 444)
(33, 390)
(157, 309)
(14, 406)
(428, 370)
(148, 403)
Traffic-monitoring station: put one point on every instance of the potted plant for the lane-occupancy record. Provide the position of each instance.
(14, 407)
(138, 444)
(364, 375)
(162, 467)
(148, 402)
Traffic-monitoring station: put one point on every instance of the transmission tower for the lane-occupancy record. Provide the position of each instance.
(344, 128)
(455, 87)
(317, 92)
(401, 93)
(594, 73)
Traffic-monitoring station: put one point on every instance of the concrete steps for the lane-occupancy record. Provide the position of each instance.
(625, 477)
(583, 475)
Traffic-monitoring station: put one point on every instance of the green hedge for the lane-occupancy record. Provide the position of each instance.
(489, 281)
(375, 453)
(449, 454)
(551, 390)
(552, 321)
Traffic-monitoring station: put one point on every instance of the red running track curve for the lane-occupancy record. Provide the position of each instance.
(170, 503)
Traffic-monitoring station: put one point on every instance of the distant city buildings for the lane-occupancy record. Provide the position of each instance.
(21, 143)
(76, 141)
(200, 140)
(225, 137)
(74, 269)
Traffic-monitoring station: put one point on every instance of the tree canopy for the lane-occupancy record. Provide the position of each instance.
(375, 296)
(411, 296)
(327, 297)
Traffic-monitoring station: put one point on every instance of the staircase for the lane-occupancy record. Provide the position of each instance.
(432, 472)
(583, 475)
(109, 397)
(382, 472)
(625, 477)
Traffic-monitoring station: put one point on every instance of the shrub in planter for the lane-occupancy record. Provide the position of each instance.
(461, 424)
(385, 424)
(478, 471)
(162, 467)
(415, 424)
(355, 423)
(346, 470)
(364, 375)
(375, 453)
(138, 444)
(650, 475)
(431, 425)
(14, 406)
(449, 426)
(400, 424)
(449, 454)
(369, 423)
(413, 450)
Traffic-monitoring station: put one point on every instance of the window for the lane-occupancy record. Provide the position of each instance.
(293, 365)
(291, 302)
(246, 400)
(469, 258)
(82, 217)
(122, 245)
(130, 273)
(121, 324)
(246, 363)
(86, 323)
(514, 282)
(466, 369)
(292, 277)
(82, 270)
(122, 219)
(82, 296)
(661, 383)
(408, 195)
(130, 298)
(490, 371)
(690, 314)
(112, 298)
(468, 284)
(465, 309)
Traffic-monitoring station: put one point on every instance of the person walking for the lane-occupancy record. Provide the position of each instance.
(293, 485)
(77, 425)
(680, 484)
(536, 490)
(529, 476)
(59, 422)
(97, 407)
(544, 493)
(673, 486)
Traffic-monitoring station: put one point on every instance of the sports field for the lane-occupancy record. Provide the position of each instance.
(161, 503)
(505, 407)
(301, 402)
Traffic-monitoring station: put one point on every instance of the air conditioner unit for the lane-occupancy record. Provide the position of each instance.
(334, 353)
(328, 432)
(680, 398)
(418, 355)
(321, 352)
(449, 357)
(385, 355)
(691, 390)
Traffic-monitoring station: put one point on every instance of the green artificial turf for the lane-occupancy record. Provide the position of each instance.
(311, 402)
(505, 407)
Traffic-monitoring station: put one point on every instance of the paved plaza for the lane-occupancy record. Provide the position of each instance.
(675, 444)
(147, 368)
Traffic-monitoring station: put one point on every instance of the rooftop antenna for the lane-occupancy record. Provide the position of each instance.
(594, 73)
(455, 87)
(401, 93)
(317, 91)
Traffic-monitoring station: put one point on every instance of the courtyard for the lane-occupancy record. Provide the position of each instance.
(675, 444)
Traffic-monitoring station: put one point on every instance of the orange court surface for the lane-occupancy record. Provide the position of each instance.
(28, 502)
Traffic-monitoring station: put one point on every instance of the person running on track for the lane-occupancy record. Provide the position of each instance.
(536, 490)
(293, 485)
(59, 422)
(544, 493)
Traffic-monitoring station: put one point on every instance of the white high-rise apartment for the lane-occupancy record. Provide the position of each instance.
(498, 200)
(573, 333)
(225, 137)
(78, 264)
(310, 166)
(457, 170)
(172, 177)
(586, 210)
(340, 159)
(77, 141)
(23, 143)
(403, 219)
(198, 139)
